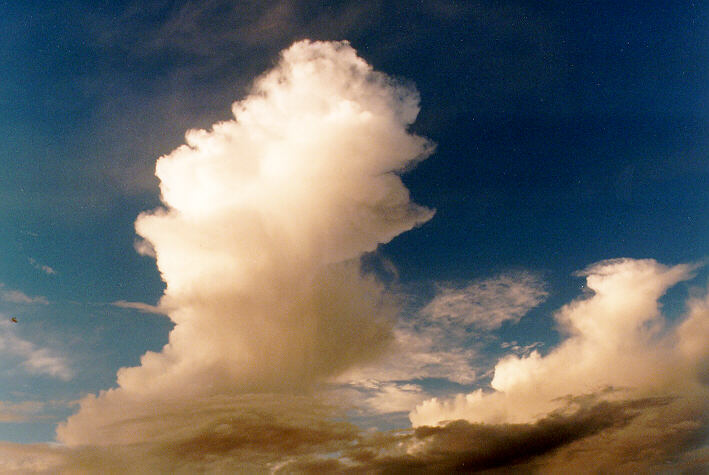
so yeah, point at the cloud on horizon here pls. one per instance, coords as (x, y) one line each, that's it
(619, 347)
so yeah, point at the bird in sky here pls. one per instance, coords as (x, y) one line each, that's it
(13, 320)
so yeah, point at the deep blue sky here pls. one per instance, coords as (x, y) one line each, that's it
(566, 132)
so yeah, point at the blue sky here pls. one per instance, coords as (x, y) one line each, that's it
(566, 135)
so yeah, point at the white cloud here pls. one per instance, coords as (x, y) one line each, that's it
(265, 219)
(623, 381)
(614, 339)
(140, 306)
(656, 425)
(488, 303)
(16, 296)
(33, 359)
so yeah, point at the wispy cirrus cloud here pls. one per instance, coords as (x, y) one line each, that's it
(393, 397)
(487, 304)
(419, 350)
(440, 340)
(140, 306)
(28, 410)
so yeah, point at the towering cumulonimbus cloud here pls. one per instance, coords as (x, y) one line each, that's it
(259, 241)
(265, 217)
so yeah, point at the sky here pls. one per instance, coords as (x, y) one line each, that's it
(383, 237)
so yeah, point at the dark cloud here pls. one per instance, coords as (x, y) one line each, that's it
(460, 446)
(215, 435)
(299, 434)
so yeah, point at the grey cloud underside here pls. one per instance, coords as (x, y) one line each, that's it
(265, 219)
(460, 446)
(282, 436)
(286, 434)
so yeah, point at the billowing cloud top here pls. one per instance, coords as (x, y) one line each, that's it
(615, 340)
(265, 218)
(308, 163)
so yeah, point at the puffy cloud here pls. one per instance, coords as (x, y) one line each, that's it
(618, 339)
(259, 242)
(612, 341)
(655, 422)
(471, 447)
(144, 248)
(488, 303)
(265, 219)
